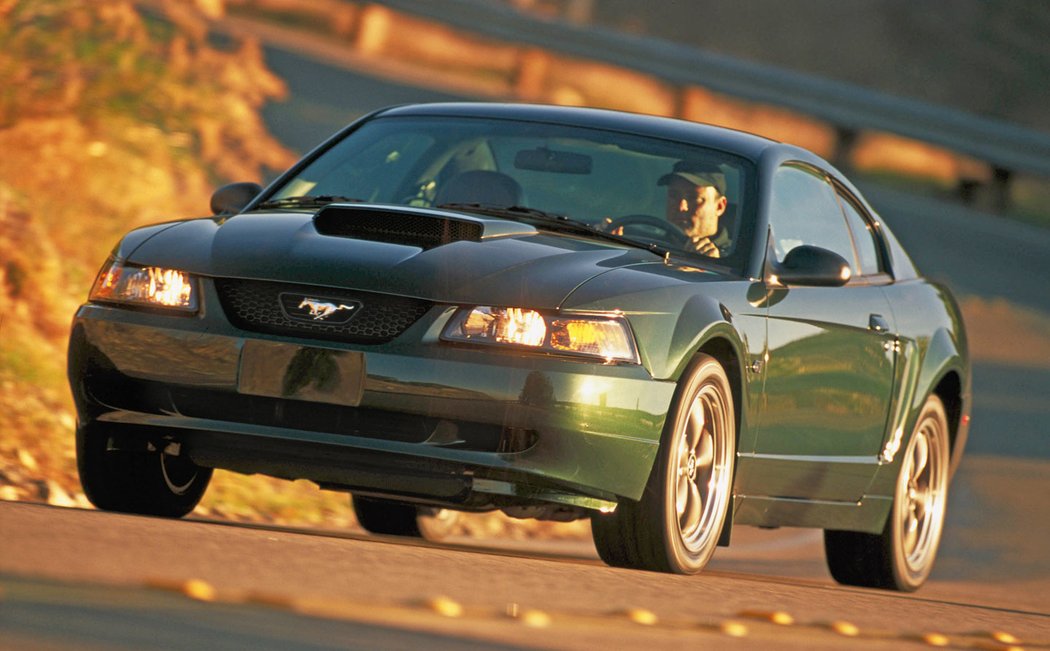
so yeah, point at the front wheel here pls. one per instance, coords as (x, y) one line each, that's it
(901, 557)
(676, 525)
(147, 483)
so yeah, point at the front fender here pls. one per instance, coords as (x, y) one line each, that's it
(947, 356)
(702, 319)
(139, 236)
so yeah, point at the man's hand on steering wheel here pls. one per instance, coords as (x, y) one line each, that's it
(668, 232)
(706, 247)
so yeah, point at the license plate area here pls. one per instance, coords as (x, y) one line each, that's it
(280, 370)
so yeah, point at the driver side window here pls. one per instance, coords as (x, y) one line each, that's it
(806, 211)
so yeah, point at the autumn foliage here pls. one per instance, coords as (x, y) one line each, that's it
(111, 116)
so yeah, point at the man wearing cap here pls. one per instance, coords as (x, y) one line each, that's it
(695, 201)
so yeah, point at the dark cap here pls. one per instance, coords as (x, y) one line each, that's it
(698, 173)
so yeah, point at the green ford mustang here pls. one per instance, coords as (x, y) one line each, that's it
(670, 328)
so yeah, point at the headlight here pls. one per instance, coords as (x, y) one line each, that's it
(604, 336)
(145, 286)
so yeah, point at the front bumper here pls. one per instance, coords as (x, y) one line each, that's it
(414, 418)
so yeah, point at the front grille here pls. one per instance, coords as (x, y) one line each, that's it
(424, 231)
(256, 305)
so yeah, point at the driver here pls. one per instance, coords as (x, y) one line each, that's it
(695, 201)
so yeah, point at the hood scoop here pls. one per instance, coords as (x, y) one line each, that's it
(400, 225)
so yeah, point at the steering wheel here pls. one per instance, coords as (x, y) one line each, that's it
(668, 232)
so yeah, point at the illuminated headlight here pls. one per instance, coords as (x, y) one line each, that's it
(605, 336)
(145, 286)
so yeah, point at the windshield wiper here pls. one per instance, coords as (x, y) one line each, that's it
(555, 222)
(501, 211)
(306, 201)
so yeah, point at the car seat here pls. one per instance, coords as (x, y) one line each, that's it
(480, 186)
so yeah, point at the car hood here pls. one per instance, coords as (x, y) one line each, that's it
(506, 262)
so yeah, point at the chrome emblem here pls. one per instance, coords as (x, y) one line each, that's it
(321, 310)
(327, 310)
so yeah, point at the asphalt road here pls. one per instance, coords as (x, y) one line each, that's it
(85, 579)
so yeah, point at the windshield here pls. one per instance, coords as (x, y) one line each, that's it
(677, 196)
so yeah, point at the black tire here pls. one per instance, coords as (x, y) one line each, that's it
(902, 556)
(147, 483)
(387, 517)
(676, 525)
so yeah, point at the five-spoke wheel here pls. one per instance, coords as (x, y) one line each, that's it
(901, 557)
(921, 495)
(703, 462)
(676, 525)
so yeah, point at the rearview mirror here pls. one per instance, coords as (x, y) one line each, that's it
(231, 199)
(813, 266)
(542, 159)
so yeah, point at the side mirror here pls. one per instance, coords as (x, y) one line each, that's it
(813, 266)
(231, 199)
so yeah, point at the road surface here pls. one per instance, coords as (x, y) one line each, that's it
(76, 578)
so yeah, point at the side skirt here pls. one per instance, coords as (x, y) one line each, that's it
(868, 515)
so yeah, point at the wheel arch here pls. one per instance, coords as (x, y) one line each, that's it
(945, 373)
(722, 349)
(720, 342)
(951, 392)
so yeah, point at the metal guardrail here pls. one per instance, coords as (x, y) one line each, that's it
(1007, 148)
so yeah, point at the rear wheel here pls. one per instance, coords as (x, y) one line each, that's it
(149, 483)
(386, 517)
(676, 525)
(902, 556)
(390, 518)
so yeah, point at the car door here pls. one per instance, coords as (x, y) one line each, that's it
(829, 367)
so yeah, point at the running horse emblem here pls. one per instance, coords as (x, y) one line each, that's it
(321, 310)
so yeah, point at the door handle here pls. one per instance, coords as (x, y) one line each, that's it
(876, 323)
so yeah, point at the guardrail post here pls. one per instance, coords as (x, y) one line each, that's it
(531, 78)
(842, 154)
(374, 29)
(1001, 178)
(344, 19)
(967, 190)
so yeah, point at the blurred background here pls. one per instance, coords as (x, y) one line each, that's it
(986, 58)
(115, 114)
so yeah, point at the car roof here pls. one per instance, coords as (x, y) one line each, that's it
(742, 143)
